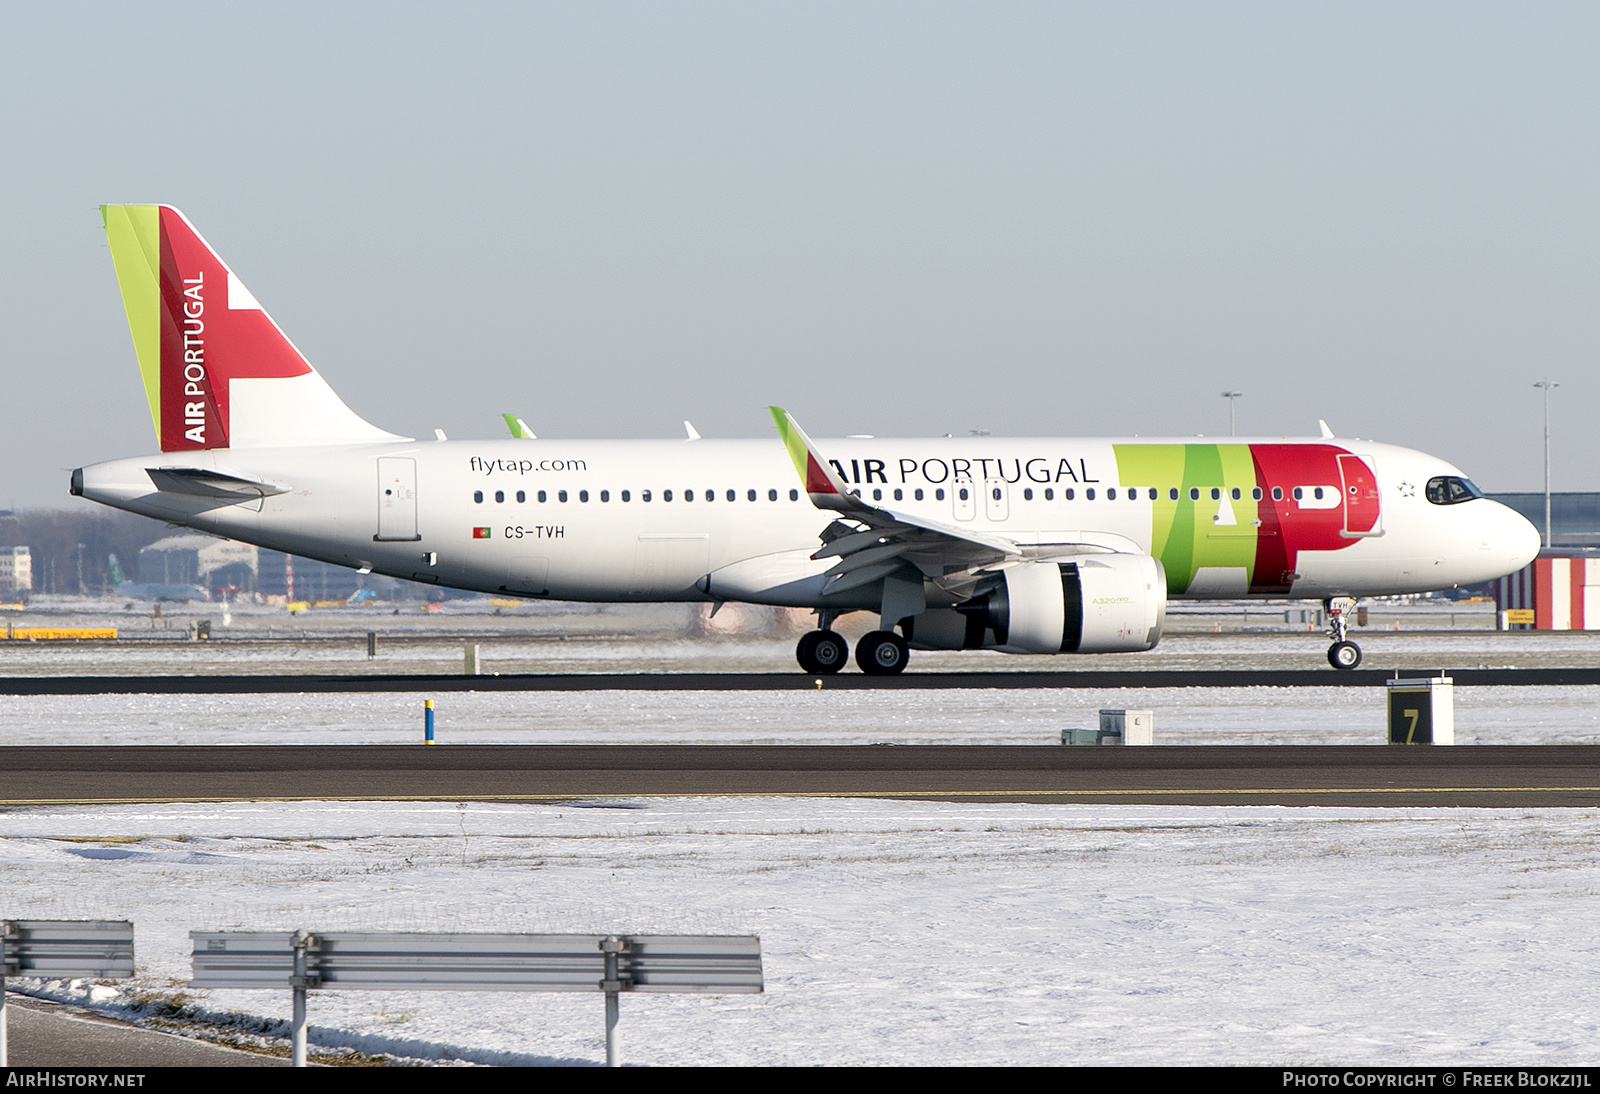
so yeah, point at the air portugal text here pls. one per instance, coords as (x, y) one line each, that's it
(1038, 469)
(194, 358)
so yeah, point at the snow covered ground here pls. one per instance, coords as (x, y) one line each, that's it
(892, 932)
(1335, 715)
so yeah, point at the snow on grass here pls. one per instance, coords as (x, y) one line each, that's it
(1333, 715)
(892, 932)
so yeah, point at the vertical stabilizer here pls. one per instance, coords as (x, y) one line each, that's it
(217, 370)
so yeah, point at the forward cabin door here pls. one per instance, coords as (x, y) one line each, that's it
(397, 498)
(1362, 515)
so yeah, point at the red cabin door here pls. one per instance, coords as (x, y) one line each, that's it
(1362, 516)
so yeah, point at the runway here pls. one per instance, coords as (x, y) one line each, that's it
(281, 683)
(1497, 777)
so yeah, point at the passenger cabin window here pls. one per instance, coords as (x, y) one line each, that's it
(666, 495)
(1049, 493)
(1194, 493)
(1216, 495)
(477, 496)
(877, 494)
(644, 495)
(605, 495)
(1153, 493)
(899, 494)
(1277, 493)
(917, 493)
(1299, 493)
(938, 495)
(1111, 493)
(772, 495)
(500, 495)
(1255, 493)
(522, 496)
(625, 496)
(1235, 493)
(751, 495)
(543, 497)
(561, 495)
(1068, 494)
(794, 495)
(1089, 494)
(1450, 490)
(1027, 493)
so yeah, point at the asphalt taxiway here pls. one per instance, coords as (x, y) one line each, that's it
(1485, 776)
(243, 684)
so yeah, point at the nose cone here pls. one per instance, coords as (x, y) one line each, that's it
(1516, 537)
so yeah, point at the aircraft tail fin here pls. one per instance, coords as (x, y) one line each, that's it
(117, 576)
(218, 372)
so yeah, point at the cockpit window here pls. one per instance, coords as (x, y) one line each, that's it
(1450, 490)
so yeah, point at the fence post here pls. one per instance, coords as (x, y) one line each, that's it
(299, 982)
(612, 946)
(7, 932)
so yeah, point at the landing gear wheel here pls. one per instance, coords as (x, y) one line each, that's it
(1344, 655)
(882, 653)
(822, 652)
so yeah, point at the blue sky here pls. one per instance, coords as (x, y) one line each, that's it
(905, 219)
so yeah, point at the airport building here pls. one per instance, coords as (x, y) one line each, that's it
(1559, 590)
(16, 570)
(245, 570)
(199, 560)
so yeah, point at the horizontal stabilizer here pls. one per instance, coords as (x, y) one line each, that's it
(202, 483)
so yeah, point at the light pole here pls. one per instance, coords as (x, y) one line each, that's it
(1546, 385)
(1231, 396)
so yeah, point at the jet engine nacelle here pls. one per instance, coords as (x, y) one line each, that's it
(1100, 604)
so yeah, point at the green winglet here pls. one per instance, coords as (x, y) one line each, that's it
(791, 438)
(519, 428)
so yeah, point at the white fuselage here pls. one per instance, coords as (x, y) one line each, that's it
(570, 520)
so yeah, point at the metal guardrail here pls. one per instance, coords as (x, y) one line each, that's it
(612, 964)
(62, 949)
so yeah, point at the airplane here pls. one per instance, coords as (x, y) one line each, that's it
(1022, 545)
(139, 590)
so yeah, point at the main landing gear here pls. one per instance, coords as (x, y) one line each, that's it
(1343, 654)
(880, 653)
(822, 652)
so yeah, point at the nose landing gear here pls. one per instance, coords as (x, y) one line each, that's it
(1343, 654)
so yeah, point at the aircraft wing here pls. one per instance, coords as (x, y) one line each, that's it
(891, 539)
